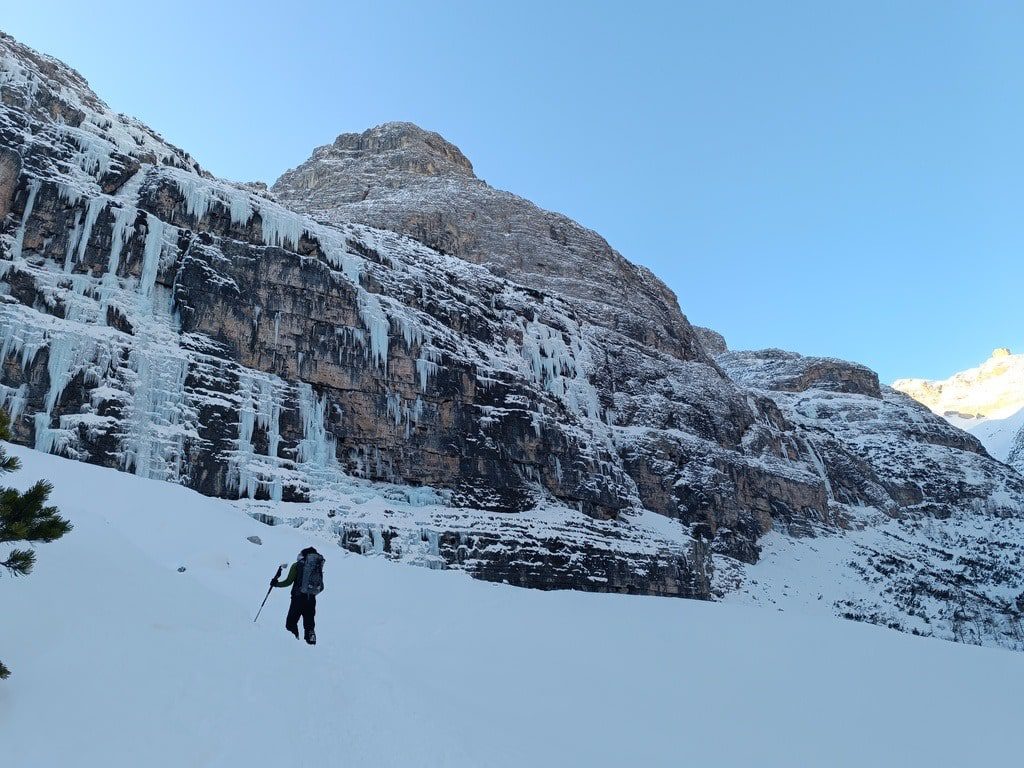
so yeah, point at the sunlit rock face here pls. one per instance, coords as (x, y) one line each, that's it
(482, 385)
(993, 390)
(987, 401)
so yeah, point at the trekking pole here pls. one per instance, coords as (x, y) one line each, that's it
(269, 590)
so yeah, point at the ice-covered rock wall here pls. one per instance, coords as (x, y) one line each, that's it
(162, 322)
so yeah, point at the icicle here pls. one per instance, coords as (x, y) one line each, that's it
(426, 366)
(197, 193)
(259, 406)
(68, 194)
(281, 227)
(92, 210)
(317, 447)
(351, 266)
(14, 400)
(18, 336)
(151, 255)
(240, 477)
(376, 322)
(154, 432)
(412, 332)
(394, 408)
(19, 238)
(239, 205)
(68, 354)
(119, 238)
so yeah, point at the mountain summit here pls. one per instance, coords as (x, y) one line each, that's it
(400, 177)
(357, 165)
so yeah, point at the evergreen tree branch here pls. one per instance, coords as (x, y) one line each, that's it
(19, 562)
(7, 463)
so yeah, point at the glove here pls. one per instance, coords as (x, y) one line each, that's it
(273, 581)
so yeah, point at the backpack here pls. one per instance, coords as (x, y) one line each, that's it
(312, 574)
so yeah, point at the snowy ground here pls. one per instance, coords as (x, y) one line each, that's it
(120, 660)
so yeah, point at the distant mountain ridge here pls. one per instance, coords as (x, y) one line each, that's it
(987, 401)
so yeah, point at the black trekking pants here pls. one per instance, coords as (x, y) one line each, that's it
(304, 606)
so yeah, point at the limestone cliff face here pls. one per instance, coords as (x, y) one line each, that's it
(400, 177)
(480, 385)
(878, 447)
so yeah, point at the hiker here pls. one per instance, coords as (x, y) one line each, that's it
(306, 578)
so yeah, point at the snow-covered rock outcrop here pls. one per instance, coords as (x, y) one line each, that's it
(503, 417)
(931, 526)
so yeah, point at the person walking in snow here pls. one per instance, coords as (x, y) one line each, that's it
(306, 578)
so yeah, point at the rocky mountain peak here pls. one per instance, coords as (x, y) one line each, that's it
(400, 177)
(403, 147)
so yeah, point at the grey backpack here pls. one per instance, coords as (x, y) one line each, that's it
(312, 574)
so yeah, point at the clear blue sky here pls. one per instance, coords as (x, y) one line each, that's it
(840, 178)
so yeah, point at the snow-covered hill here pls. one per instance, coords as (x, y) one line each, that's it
(119, 660)
(987, 401)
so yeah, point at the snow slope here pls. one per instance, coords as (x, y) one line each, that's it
(120, 660)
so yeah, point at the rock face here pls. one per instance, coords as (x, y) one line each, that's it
(932, 525)
(400, 177)
(987, 401)
(712, 341)
(501, 392)
(878, 447)
(774, 369)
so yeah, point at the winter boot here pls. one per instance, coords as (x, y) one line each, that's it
(311, 638)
